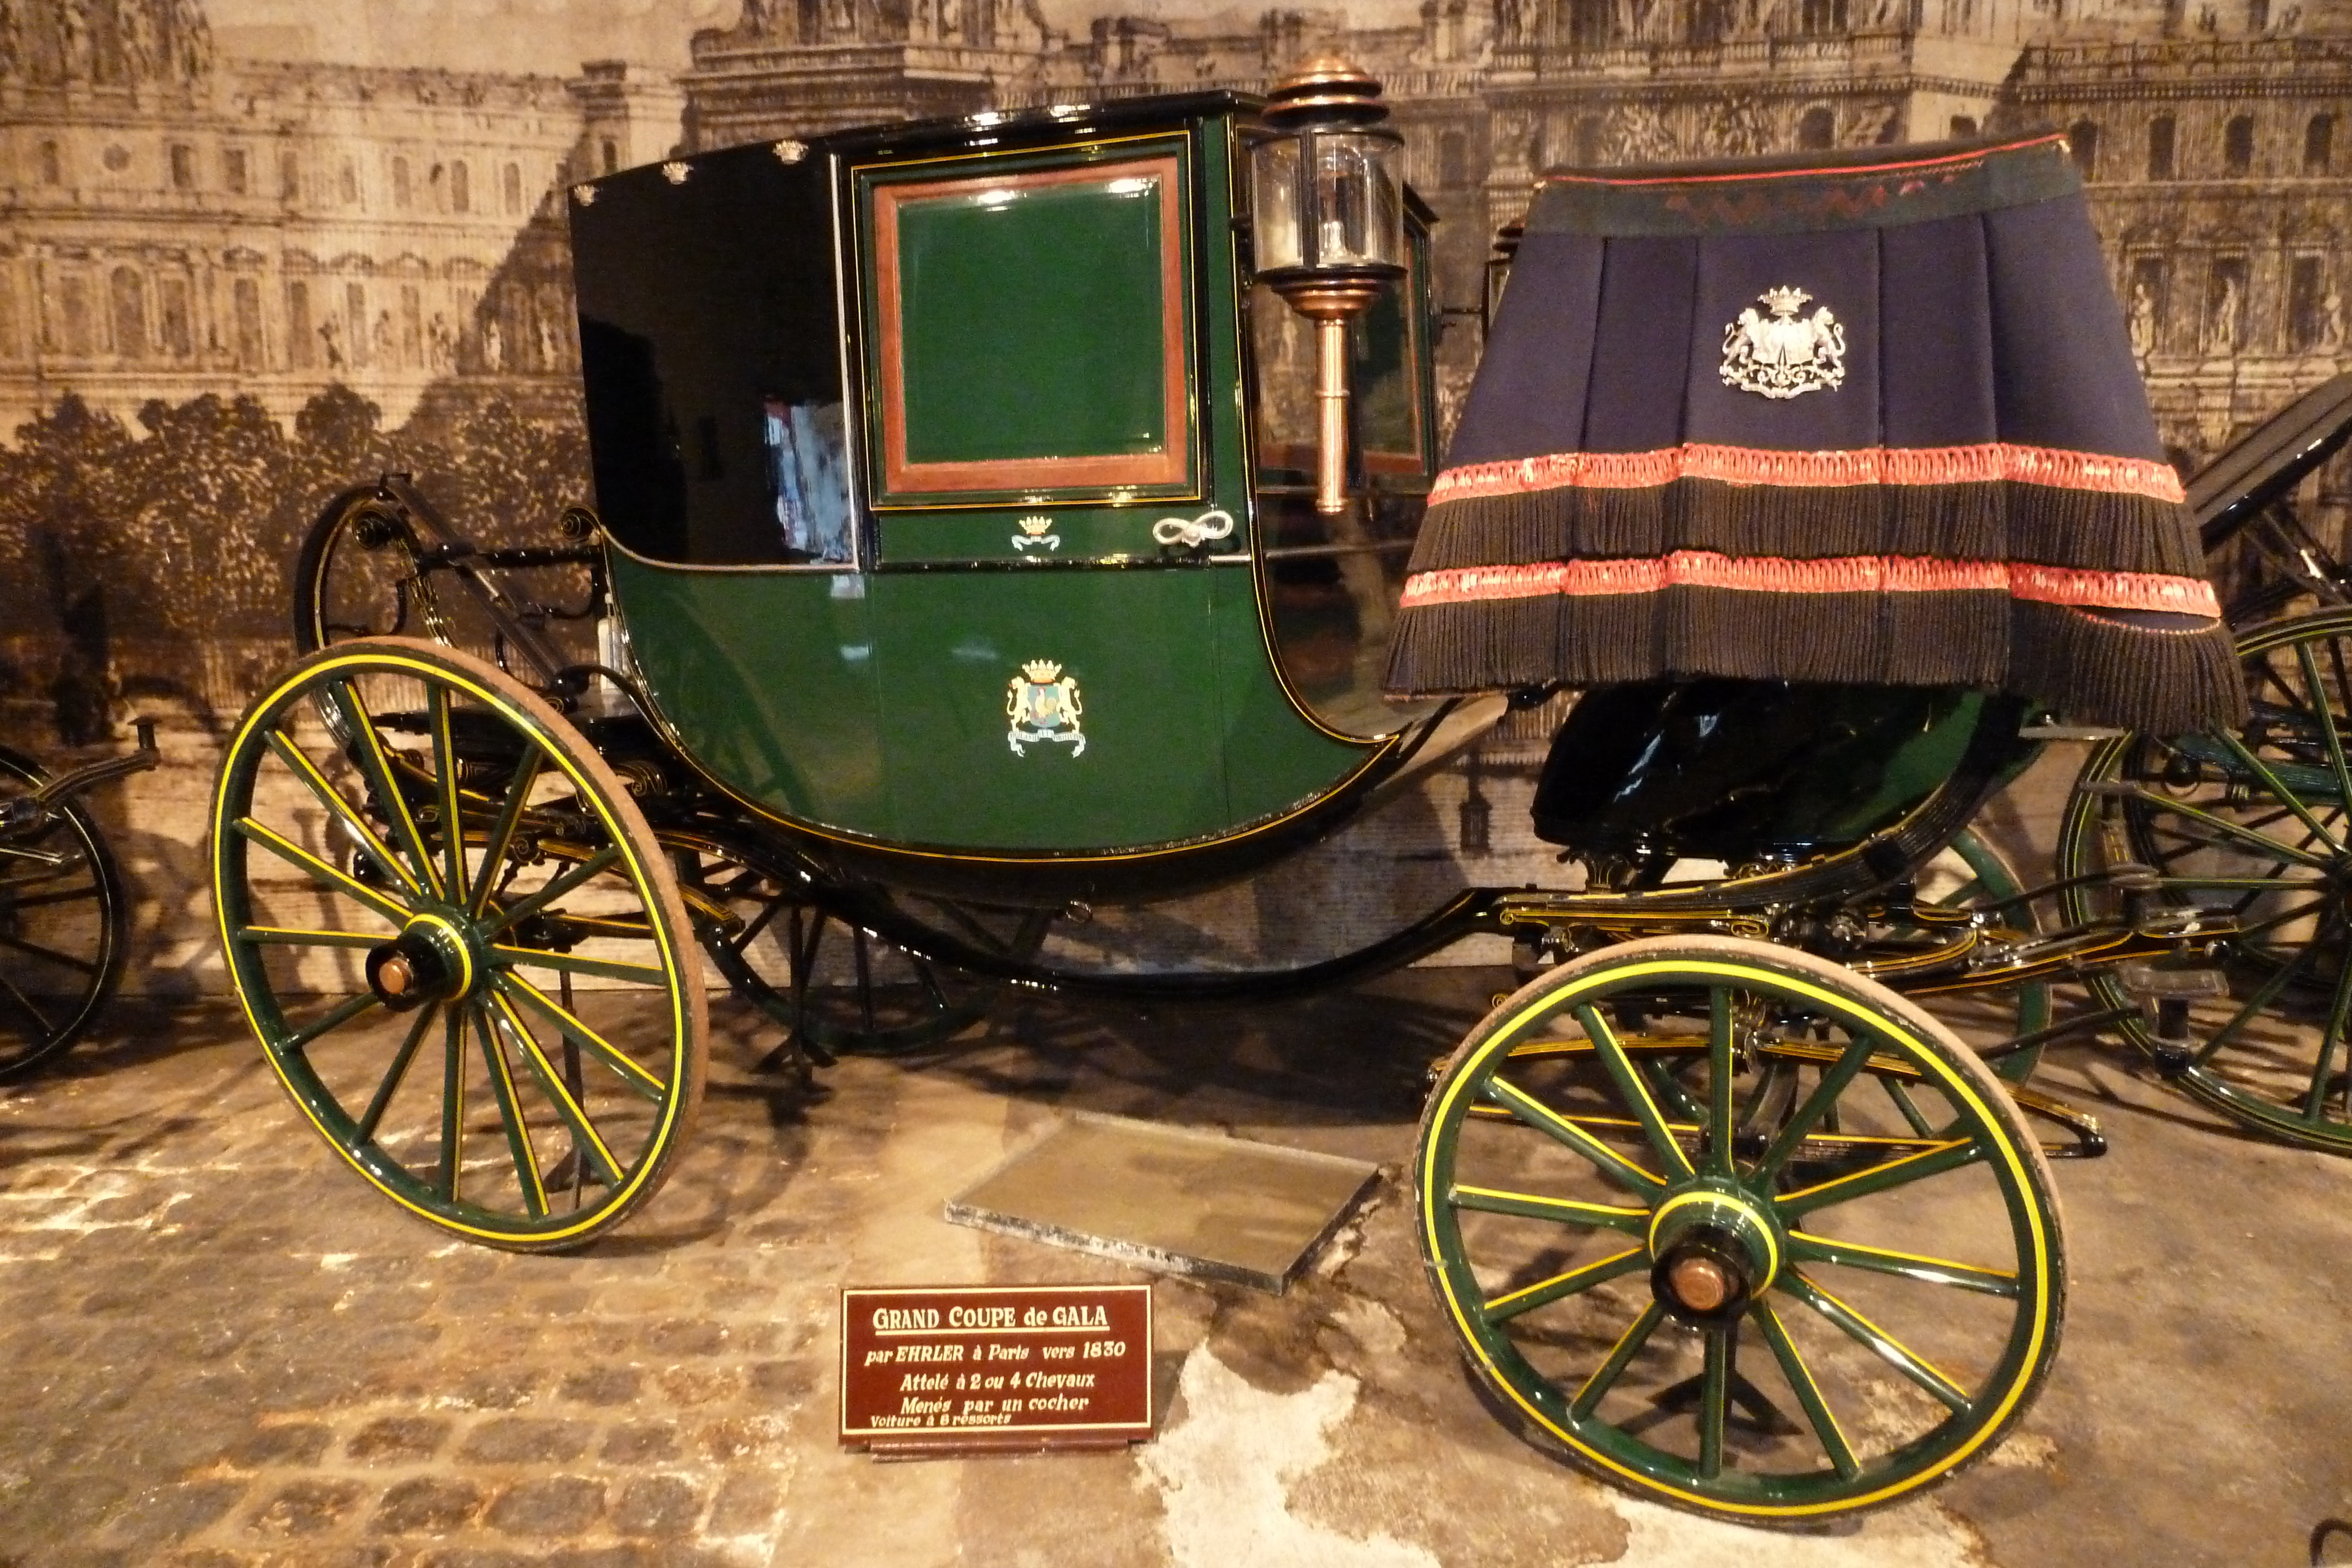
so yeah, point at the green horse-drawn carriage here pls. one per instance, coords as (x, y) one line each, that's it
(1005, 517)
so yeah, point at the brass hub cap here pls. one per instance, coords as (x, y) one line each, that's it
(430, 961)
(1716, 1250)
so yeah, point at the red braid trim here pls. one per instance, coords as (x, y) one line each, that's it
(1813, 470)
(1834, 574)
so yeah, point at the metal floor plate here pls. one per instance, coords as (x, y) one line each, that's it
(1176, 1199)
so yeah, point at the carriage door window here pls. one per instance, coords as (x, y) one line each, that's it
(1027, 328)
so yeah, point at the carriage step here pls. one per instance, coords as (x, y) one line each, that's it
(2163, 995)
(2158, 982)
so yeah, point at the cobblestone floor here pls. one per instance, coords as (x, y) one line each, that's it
(219, 1350)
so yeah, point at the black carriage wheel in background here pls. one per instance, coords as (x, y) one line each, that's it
(63, 923)
(355, 577)
(501, 1027)
(2254, 827)
(1769, 1297)
(797, 953)
(374, 568)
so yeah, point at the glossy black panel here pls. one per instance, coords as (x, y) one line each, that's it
(710, 346)
(1737, 770)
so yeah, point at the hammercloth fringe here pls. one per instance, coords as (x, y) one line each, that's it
(2098, 670)
(2091, 668)
(1999, 520)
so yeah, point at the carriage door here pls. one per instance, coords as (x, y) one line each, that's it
(1030, 379)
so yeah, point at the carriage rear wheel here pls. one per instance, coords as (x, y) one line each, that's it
(461, 948)
(62, 921)
(1609, 1236)
(2254, 828)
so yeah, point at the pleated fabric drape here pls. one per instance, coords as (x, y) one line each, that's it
(1873, 422)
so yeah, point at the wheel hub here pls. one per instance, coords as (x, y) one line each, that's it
(430, 961)
(1715, 1249)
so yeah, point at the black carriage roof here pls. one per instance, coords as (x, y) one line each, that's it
(999, 128)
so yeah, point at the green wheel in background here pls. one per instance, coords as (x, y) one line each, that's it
(2253, 828)
(499, 1027)
(1755, 1290)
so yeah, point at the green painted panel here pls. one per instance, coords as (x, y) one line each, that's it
(1145, 763)
(876, 705)
(1063, 533)
(1274, 758)
(1032, 322)
(768, 678)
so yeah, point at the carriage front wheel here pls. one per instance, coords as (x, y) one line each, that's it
(1743, 1231)
(462, 949)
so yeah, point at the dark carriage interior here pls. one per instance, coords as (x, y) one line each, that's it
(1741, 771)
(710, 353)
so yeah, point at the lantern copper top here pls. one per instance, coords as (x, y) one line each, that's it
(1326, 88)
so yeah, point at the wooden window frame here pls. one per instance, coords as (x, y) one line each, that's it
(1109, 471)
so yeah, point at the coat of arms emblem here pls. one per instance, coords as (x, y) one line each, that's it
(1043, 704)
(1783, 354)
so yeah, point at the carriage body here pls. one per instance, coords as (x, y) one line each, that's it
(955, 480)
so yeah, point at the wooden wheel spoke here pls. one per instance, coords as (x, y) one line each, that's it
(1563, 1210)
(1634, 1092)
(502, 1089)
(376, 765)
(1713, 1400)
(556, 888)
(333, 1018)
(296, 937)
(320, 872)
(1511, 1303)
(630, 1071)
(2339, 1012)
(2324, 711)
(2263, 843)
(1621, 1355)
(502, 833)
(47, 955)
(571, 964)
(1808, 1390)
(585, 1139)
(2261, 998)
(452, 1103)
(1835, 1077)
(1720, 1076)
(24, 1006)
(1877, 1341)
(1811, 1248)
(444, 788)
(1528, 1109)
(2286, 796)
(372, 1117)
(1932, 1160)
(1904, 1106)
(361, 832)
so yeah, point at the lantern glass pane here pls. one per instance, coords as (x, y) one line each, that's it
(1274, 204)
(1359, 201)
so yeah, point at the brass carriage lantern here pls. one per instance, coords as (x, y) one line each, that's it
(1328, 208)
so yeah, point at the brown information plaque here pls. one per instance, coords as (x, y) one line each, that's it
(946, 1369)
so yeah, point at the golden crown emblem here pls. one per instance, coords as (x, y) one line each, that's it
(1036, 526)
(1786, 301)
(1045, 672)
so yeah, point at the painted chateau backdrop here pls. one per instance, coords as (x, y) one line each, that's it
(254, 250)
